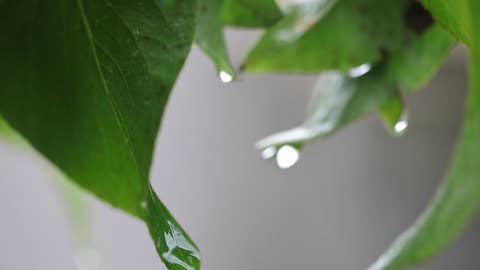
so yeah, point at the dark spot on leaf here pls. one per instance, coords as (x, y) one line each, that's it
(417, 17)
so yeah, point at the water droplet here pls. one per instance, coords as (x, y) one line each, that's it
(269, 152)
(401, 126)
(359, 71)
(225, 77)
(287, 156)
(87, 259)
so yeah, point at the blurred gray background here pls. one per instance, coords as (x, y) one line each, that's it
(338, 208)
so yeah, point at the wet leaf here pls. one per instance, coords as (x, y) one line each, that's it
(250, 13)
(354, 32)
(86, 83)
(209, 37)
(337, 100)
(458, 197)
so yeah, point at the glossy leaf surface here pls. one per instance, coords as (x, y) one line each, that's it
(86, 83)
(458, 197)
(209, 37)
(353, 32)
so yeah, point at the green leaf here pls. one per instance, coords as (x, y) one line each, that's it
(458, 198)
(300, 16)
(250, 13)
(394, 114)
(454, 16)
(354, 32)
(6, 131)
(337, 100)
(414, 65)
(209, 37)
(86, 82)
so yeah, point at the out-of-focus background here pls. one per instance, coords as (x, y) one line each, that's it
(338, 208)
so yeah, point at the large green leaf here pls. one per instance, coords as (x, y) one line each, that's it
(354, 32)
(250, 13)
(209, 37)
(86, 83)
(458, 198)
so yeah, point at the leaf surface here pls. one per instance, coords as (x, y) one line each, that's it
(86, 82)
(354, 32)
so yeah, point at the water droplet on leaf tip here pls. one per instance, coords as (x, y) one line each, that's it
(401, 126)
(359, 71)
(287, 156)
(225, 77)
(269, 152)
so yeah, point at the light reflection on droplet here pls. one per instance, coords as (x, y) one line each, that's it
(359, 71)
(225, 77)
(287, 156)
(401, 126)
(269, 152)
(87, 259)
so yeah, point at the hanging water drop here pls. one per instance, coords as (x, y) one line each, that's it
(359, 71)
(269, 152)
(287, 156)
(402, 124)
(225, 77)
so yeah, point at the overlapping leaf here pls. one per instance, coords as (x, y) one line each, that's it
(414, 65)
(354, 32)
(339, 99)
(86, 83)
(250, 13)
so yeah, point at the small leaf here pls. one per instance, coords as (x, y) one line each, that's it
(413, 66)
(354, 32)
(209, 37)
(250, 13)
(458, 198)
(337, 100)
(86, 82)
(394, 114)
